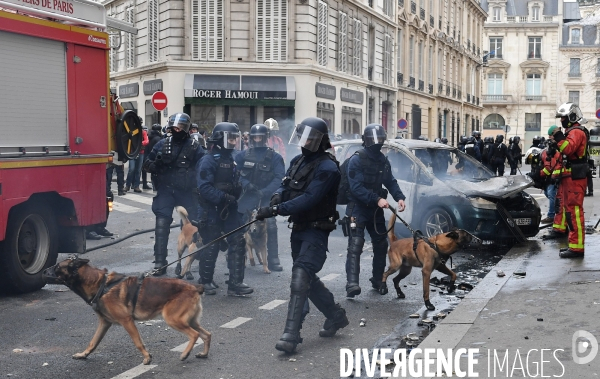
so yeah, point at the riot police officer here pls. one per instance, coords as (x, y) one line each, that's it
(498, 155)
(308, 195)
(462, 142)
(368, 171)
(477, 135)
(261, 171)
(472, 148)
(219, 190)
(488, 142)
(172, 162)
(514, 150)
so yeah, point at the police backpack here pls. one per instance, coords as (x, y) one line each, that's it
(343, 197)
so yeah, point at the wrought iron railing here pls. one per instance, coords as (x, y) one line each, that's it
(400, 78)
(440, 86)
(421, 85)
(534, 97)
(432, 21)
(411, 82)
(422, 14)
(496, 98)
(370, 73)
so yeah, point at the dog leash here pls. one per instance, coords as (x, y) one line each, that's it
(202, 247)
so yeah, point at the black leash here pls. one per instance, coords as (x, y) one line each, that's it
(202, 247)
(375, 223)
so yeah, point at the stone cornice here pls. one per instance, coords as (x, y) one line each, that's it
(581, 48)
(534, 66)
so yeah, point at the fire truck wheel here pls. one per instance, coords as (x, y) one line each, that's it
(30, 246)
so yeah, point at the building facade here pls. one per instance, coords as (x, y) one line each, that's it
(349, 62)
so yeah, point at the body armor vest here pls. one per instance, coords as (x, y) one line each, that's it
(258, 171)
(486, 152)
(296, 184)
(373, 173)
(179, 172)
(226, 176)
(470, 149)
(498, 151)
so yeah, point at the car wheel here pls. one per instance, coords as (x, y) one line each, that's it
(436, 221)
(29, 248)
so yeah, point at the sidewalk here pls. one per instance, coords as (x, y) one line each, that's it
(511, 319)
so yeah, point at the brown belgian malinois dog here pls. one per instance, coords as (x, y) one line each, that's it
(256, 238)
(428, 253)
(120, 299)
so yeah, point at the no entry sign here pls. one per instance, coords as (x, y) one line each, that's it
(159, 100)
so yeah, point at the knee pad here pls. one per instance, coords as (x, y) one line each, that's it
(355, 246)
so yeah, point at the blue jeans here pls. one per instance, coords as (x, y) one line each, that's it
(135, 170)
(550, 192)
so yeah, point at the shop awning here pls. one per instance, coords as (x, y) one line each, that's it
(239, 87)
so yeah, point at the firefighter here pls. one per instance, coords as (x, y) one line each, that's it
(308, 195)
(275, 142)
(573, 146)
(219, 191)
(498, 155)
(515, 152)
(261, 172)
(368, 171)
(472, 148)
(173, 160)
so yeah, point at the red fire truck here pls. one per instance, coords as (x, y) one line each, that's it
(59, 124)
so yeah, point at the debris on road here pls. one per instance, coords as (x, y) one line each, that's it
(17, 350)
(414, 315)
(500, 273)
(363, 322)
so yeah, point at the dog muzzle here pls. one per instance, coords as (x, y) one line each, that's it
(49, 276)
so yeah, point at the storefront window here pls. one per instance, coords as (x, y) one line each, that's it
(152, 116)
(243, 116)
(326, 111)
(204, 115)
(351, 121)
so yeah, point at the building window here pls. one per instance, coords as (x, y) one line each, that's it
(495, 84)
(114, 53)
(207, 30)
(322, 34)
(204, 115)
(574, 67)
(343, 42)
(496, 47)
(535, 48)
(357, 48)
(130, 40)
(597, 99)
(598, 70)
(496, 14)
(421, 60)
(326, 111)
(152, 30)
(271, 30)
(388, 7)
(351, 121)
(387, 60)
(430, 65)
(533, 121)
(493, 121)
(535, 14)
(575, 36)
(399, 65)
(534, 86)
(411, 55)
(574, 97)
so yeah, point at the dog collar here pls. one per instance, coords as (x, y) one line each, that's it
(99, 293)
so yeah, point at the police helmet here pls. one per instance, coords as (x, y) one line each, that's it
(226, 135)
(374, 134)
(542, 141)
(471, 139)
(194, 128)
(445, 140)
(516, 139)
(438, 140)
(536, 140)
(422, 138)
(259, 133)
(272, 124)
(476, 134)
(311, 134)
(510, 140)
(499, 138)
(571, 111)
(488, 140)
(463, 139)
(181, 121)
(157, 127)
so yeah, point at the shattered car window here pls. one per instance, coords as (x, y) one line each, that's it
(402, 165)
(452, 164)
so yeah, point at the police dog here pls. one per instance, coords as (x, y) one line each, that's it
(256, 238)
(429, 256)
(120, 299)
(188, 237)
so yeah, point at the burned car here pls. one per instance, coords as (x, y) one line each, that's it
(446, 188)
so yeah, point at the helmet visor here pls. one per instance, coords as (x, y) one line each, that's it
(257, 140)
(306, 137)
(231, 141)
(375, 136)
(181, 121)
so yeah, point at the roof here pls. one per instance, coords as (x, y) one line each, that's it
(571, 11)
(520, 8)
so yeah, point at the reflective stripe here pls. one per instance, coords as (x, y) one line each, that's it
(574, 246)
(563, 219)
(579, 243)
(563, 145)
(545, 171)
(556, 172)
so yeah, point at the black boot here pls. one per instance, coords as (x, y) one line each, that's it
(380, 249)
(296, 311)
(236, 261)
(161, 241)
(335, 322)
(553, 235)
(322, 298)
(355, 246)
(272, 246)
(206, 268)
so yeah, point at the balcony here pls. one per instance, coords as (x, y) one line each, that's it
(421, 85)
(401, 3)
(510, 18)
(468, 44)
(431, 89)
(548, 19)
(522, 18)
(575, 75)
(495, 98)
(413, 7)
(534, 98)
(422, 14)
(533, 55)
(400, 78)
(411, 82)
(432, 21)
(495, 56)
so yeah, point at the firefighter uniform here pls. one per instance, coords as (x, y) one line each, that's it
(552, 161)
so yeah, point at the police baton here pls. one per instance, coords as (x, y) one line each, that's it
(203, 247)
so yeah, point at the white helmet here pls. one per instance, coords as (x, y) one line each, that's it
(272, 124)
(571, 111)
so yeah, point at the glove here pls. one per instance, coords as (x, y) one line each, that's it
(552, 147)
(266, 212)
(230, 200)
(559, 136)
(275, 199)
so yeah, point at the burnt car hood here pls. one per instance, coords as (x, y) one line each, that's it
(498, 187)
